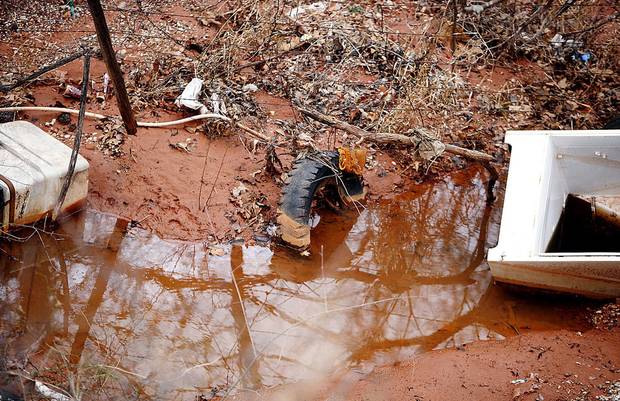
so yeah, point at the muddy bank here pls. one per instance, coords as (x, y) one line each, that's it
(556, 365)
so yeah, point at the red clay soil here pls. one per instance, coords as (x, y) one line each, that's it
(557, 365)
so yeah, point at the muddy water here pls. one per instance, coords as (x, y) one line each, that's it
(165, 319)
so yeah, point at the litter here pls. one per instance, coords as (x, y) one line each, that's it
(72, 92)
(319, 172)
(50, 394)
(106, 84)
(189, 97)
(317, 7)
(352, 160)
(218, 104)
(31, 175)
(550, 236)
(250, 88)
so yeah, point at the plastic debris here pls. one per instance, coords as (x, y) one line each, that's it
(317, 7)
(50, 394)
(189, 97)
(72, 91)
(72, 8)
(582, 57)
(218, 104)
(559, 43)
(314, 220)
(272, 230)
(106, 84)
(250, 88)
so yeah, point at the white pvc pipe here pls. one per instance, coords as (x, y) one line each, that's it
(102, 117)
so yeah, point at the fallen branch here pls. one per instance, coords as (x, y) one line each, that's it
(597, 25)
(386, 138)
(48, 68)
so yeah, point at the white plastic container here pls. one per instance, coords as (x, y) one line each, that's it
(545, 167)
(33, 166)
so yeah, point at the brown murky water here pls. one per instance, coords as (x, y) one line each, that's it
(165, 319)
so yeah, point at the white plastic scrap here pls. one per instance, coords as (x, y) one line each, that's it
(189, 97)
(557, 40)
(250, 88)
(318, 7)
(218, 104)
(50, 394)
(106, 84)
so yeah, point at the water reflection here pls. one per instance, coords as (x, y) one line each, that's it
(172, 319)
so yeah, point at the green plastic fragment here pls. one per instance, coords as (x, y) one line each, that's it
(71, 7)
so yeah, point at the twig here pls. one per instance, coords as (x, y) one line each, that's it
(380, 137)
(217, 177)
(204, 168)
(455, 12)
(48, 68)
(124, 371)
(599, 24)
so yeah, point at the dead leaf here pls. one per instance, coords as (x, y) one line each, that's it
(563, 84)
(186, 146)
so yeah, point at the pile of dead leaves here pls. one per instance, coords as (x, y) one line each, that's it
(112, 138)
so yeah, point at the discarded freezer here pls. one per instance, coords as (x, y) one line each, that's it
(33, 166)
(559, 227)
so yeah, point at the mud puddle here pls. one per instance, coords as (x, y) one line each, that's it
(161, 319)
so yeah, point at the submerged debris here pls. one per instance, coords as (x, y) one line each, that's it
(317, 173)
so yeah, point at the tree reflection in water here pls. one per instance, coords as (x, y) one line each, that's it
(406, 277)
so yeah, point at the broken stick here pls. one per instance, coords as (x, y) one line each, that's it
(47, 68)
(382, 137)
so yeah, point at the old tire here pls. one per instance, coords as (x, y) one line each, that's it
(306, 177)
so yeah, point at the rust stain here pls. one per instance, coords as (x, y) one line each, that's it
(34, 218)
